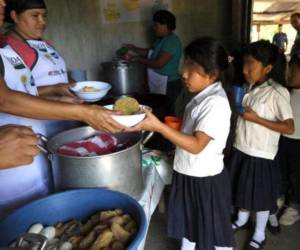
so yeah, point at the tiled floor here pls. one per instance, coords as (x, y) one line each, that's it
(288, 239)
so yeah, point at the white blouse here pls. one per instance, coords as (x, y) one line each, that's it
(208, 112)
(270, 101)
(295, 103)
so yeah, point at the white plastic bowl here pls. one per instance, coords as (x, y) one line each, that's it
(103, 88)
(129, 120)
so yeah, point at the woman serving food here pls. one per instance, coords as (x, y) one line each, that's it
(20, 105)
(28, 19)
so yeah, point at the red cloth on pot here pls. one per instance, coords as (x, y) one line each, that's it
(97, 145)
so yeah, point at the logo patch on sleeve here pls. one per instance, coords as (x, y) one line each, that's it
(16, 62)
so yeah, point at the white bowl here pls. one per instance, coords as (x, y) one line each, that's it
(129, 120)
(102, 89)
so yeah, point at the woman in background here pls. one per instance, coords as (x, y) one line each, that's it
(163, 58)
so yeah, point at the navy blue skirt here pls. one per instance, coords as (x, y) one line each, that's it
(254, 182)
(199, 210)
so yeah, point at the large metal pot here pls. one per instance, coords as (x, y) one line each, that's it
(125, 78)
(121, 171)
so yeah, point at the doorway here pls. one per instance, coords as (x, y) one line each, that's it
(269, 15)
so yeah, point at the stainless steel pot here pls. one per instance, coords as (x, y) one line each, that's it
(125, 78)
(121, 171)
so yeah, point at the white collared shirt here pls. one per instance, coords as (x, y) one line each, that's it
(27, 181)
(50, 67)
(270, 101)
(208, 112)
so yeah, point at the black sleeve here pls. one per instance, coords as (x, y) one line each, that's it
(1, 67)
(296, 48)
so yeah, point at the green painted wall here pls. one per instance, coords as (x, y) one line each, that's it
(76, 30)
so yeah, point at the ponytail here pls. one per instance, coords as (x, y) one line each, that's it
(226, 79)
(278, 73)
(295, 60)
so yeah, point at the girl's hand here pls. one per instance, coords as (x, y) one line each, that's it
(150, 123)
(249, 115)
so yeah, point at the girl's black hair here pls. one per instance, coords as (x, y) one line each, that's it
(22, 5)
(212, 57)
(238, 61)
(297, 14)
(268, 54)
(165, 17)
(208, 53)
(295, 61)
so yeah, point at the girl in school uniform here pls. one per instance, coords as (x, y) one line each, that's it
(199, 208)
(267, 114)
(289, 150)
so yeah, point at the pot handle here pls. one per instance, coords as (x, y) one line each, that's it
(41, 147)
(33, 238)
(147, 138)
